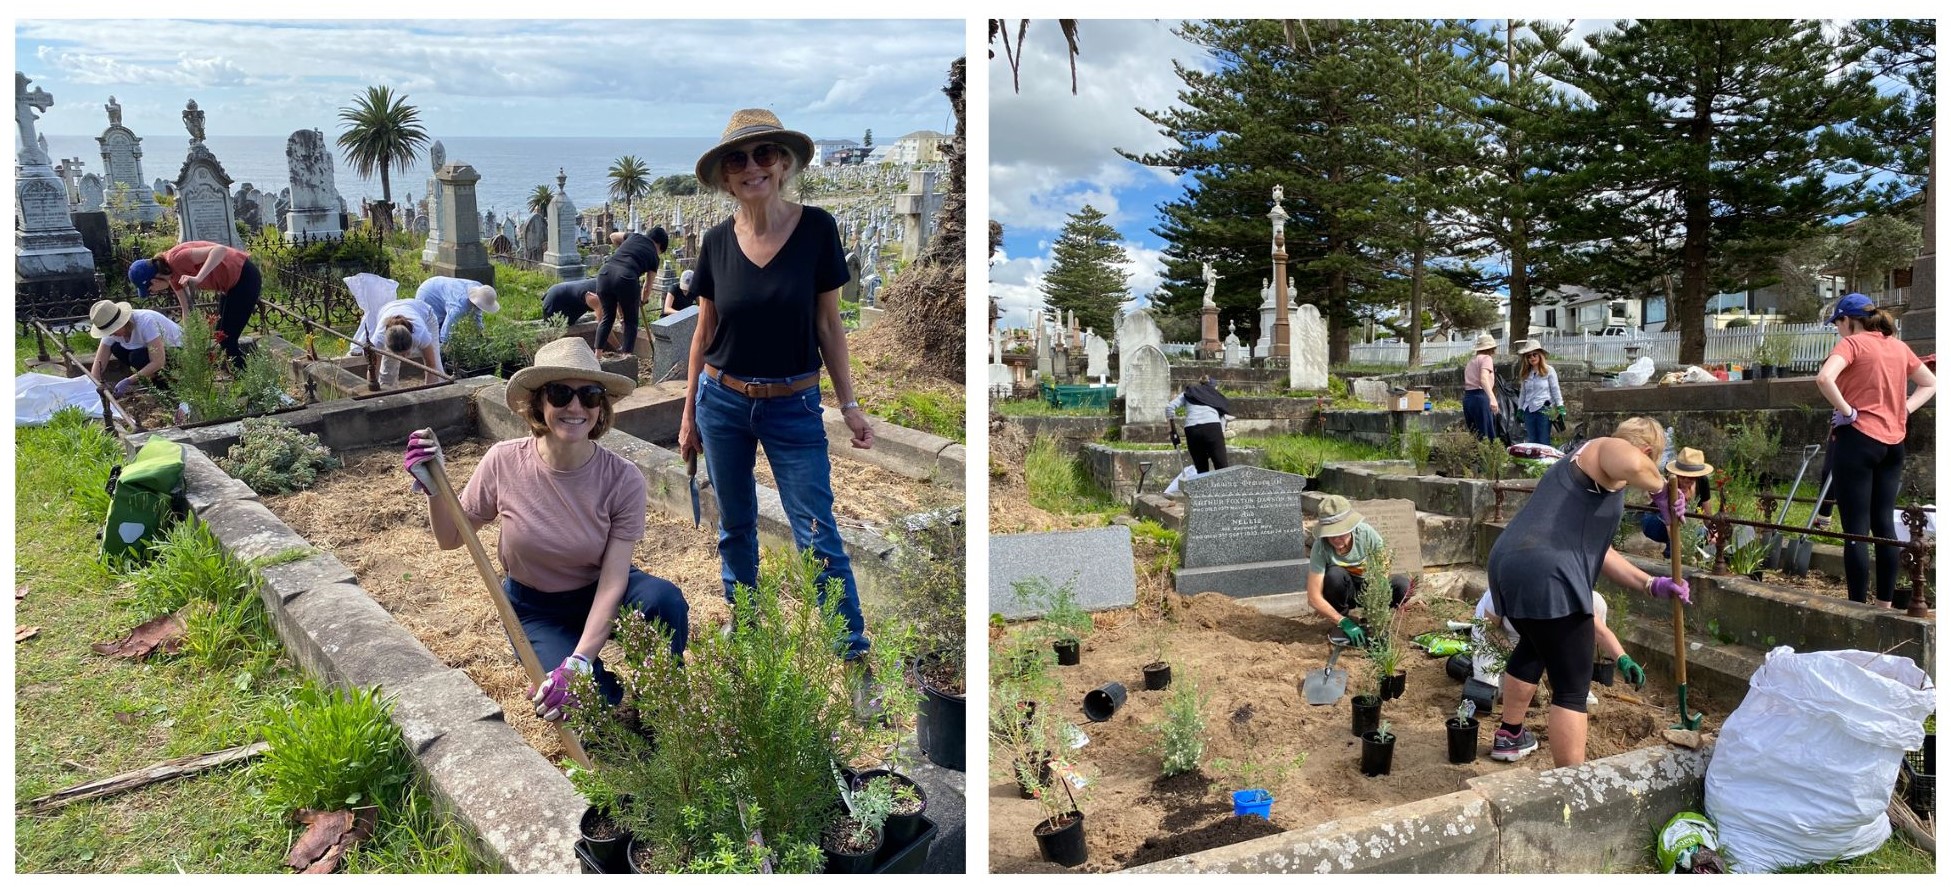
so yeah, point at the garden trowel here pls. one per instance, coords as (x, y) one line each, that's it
(1325, 687)
(691, 471)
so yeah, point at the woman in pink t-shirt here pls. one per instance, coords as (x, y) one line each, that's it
(570, 513)
(1864, 380)
(1480, 389)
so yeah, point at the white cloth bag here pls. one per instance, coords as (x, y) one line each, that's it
(38, 396)
(1804, 769)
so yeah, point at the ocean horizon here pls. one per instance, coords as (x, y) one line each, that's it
(510, 166)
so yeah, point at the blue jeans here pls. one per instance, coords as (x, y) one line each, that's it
(1477, 414)
(554, 621)
(1654, 526)
(1537, 426)
(791, 429)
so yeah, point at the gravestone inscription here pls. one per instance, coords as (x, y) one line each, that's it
(1243, 534)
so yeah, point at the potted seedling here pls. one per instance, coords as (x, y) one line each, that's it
(1462, 733)
(907, 804)
(602, 837)
(1773, 354)
(1378, 748)
(1063, 623)
(851, 839)
(1366, 707)
(1182, 735)
(1060, 833)
(1158, 673)
(927, 595)
(1022, 733)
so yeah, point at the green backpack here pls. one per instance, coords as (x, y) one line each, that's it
(145, 496)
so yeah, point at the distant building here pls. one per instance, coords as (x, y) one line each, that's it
(920, 146)
(829, 152)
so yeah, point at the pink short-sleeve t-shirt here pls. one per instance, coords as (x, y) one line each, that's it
(555, 524)
(1875, 382)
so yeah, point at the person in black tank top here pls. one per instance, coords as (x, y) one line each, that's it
(767, 285)
(1542, 571)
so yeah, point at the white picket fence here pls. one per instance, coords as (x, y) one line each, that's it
(1810, 343)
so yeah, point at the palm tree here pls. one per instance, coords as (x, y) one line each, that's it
(382, 133)
(540, 198)
(629, 180)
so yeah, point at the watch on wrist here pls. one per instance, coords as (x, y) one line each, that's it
(850, 405)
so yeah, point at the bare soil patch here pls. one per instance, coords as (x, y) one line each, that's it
(367, 516)
(1242, 658)
(1010, 510)
(870, 497)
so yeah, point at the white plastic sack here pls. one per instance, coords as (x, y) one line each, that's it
(1172, 489)
(1640, 373)
(371, 292)
(1804, 769)
(1697, 374)
(38, 396)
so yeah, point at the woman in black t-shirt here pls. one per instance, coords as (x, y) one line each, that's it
(623, 284)
(767, 286)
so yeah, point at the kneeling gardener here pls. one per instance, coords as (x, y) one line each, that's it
(1342, 545)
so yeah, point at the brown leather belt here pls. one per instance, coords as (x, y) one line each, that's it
(761, 390)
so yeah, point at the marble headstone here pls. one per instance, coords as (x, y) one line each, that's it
(314, 213)
(670, 344)
(1235, 353)
(437, 156)
(1148, 385)
(122, 158)
(1135, 329)
(1096, 563)
(204, 209)
(1263, 346)
(559, 255)
(1097, 357)
(92, 196)
(460, 251)
(1244, 535)
(1307, 363)
(46, 245)
(1045, 361)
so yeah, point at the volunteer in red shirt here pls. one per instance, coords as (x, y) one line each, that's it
(207, 266)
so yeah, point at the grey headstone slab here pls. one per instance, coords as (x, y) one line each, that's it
(1243, 515)
(1396, 520)
(1097, 562)
(670, 344)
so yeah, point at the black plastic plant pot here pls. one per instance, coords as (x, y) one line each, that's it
(939, 724)
(901, 828)
(630, 860)
(1042, 769)
(842, 863)
(588, 859)
(1377, 753)
(1458, 667)
(1158, 676)
(1393, 686)
(1367, 714)
(1603, 670)
(608, 852)
(1068, 652)
(907, 859)
(1100, 704)
(1062, 841)
(1463, 740)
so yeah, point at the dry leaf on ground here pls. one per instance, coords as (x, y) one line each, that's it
(23, 632)
(163, 632)
(331, 833)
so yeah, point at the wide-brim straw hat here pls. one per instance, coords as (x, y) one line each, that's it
(1338, 517)
(484, 298)
(1484, 342)
(566, 358)
(749, 125)
(1690, 463)
(1529, 345)
(106, 317)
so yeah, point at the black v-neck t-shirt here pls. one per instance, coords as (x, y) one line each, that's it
(766, 325)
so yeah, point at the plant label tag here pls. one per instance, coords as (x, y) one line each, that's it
(1074, 736)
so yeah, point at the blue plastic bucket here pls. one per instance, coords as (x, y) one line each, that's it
(1253, 802)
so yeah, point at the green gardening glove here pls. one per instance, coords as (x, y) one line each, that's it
(1561, 411)
(1632, 672)
(1354, 632)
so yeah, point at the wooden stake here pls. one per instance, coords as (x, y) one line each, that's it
(167, 770)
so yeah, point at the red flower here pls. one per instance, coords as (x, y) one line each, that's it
(219, 337)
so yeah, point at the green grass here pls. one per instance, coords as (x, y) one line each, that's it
(1894, 857)
(1305, 453)
(936, 413)
(1060, 484)
(80, 716)
(1037, 406)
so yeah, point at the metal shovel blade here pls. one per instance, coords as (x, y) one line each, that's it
(1326, 686)
(691, 471)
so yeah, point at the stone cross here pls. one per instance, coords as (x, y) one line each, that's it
(193, 121)
(26, 102)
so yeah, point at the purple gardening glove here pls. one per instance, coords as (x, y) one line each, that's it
(125, 386)
(421, 446)
(553, 696)
(1840, 418)
(1674, 511)
(1667, 586)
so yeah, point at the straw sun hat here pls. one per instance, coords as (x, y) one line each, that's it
(1338, 517)
(484, 298)
(747, 126)
(1530, 345)
(1484, 342)
(106, 317)
(566, 358)
(1690, 463)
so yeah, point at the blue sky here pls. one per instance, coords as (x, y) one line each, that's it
(488, 77)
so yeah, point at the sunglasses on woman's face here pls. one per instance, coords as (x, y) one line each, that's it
(559, 394)
(762, 155)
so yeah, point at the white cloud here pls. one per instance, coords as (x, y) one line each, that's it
(1017, 284)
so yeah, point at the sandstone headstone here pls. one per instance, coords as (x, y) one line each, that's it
(314, 213)
(1096, 563)
(1243, 533)
(1307, 362)
(1370, 390)
(461, 253)
(1395, 520)
(535, 237)
(204, 210)
(917, 209)
(670, 344)
(1148, 386)
(437, 157)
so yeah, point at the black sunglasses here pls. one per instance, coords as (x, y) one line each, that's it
(559, 395)
(762, 155)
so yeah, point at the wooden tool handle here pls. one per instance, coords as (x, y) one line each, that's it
(1674, 542)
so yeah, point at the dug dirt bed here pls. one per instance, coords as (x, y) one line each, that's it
(1250, 666)
(366, 515)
